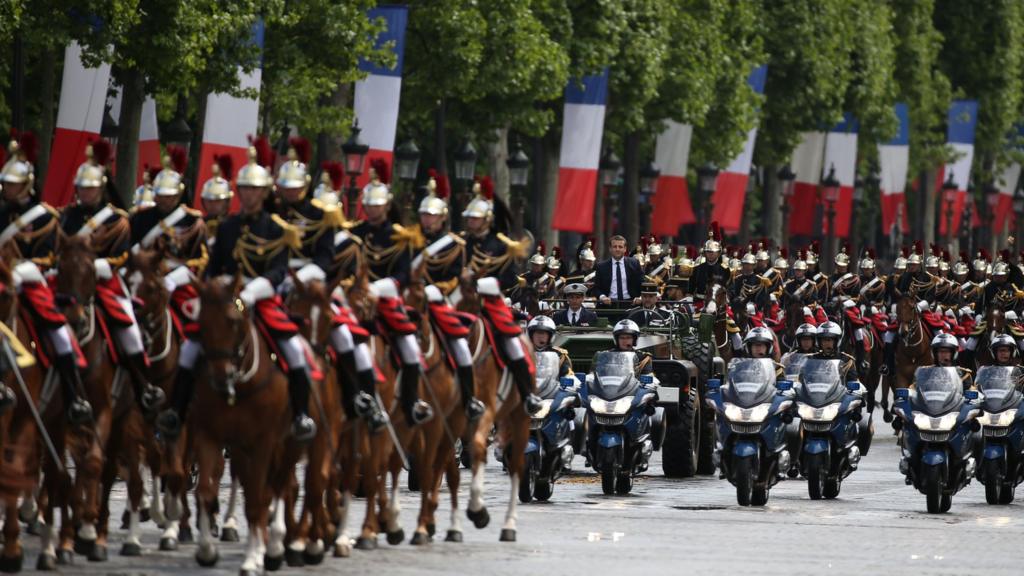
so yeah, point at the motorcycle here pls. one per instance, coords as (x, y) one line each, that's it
(829, 412)
(1001, 466)
(753, 410)
(549, 449)
(937, 419)
(624, 425)
(792, 362)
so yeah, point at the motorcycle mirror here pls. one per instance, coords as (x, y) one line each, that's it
(784, 385)
(901, 393)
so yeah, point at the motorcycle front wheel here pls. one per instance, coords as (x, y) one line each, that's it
(936, 501)
(993, 476)
(816, 477)
(745, 475)
(608, 480)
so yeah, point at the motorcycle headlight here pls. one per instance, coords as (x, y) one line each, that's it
(545, 409)
(613, 408)
(1001, 419)
(753, 415)
(823, 414)
(937, 424)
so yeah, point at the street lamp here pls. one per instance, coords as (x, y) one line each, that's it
(830, 193)
(465, 168)
(1018, 210)
(707, 176)
(407, 161)
(787, 184)
(992, 200)
(355, 152)
(108, 130)
(518, 176)
(608, 173)
(648, 181)
(178, 131)
(949, 191)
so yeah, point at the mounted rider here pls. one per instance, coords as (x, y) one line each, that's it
(216, 194)
(749, 286)
(714, 269)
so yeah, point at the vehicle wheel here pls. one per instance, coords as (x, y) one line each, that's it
(933, 489)
(993, 491)
(993, 476)
(679, 452)
(700, 354)
(542, 490)
(832, 488)
(760, 497)
(865, 431)
(526, 487)
(945, 503)
(624, 484)
(816, 476)
(745, 476)
(608, 481)
(1007, 493)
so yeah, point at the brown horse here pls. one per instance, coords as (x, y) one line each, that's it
(494, 387)
(717, 304)
(995, 324)
(874, 355)
(913, 349)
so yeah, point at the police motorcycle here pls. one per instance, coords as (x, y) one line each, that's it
(753, 410)
(549, 448)
(1002, 428)
(938, 419)
(829, 411)
(624, 425)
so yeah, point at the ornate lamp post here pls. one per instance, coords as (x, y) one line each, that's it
(991, 200)
(707, 176)
(1018, 211)
(949, 188)
(178, 131)
(871, 184)
(608, 173)
(355, 152)
(465, 168)
(407, 162)
(648, 181)
(519, 176)
(787, 184)
(830, 194)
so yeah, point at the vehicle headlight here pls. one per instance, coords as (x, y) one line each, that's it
(938, 424)
(1004, 418)
(545, 409)
(823, 414)
(753, 415)
(613, 408)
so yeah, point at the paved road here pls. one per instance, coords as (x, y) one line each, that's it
(877, 526)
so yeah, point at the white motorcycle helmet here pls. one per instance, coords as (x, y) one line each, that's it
(542, 323)
(759, 334)
(1003, 341)
(829, 330)
(945, 340)
(625, 327)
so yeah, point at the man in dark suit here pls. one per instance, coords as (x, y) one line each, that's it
(618, 278)
(649, 313)
(575, 314)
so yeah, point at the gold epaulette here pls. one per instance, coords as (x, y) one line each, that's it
(458, 239)
(560, 350)
(199, 264)
(765, 282)
(291, 236)
(515, 249)
(447, 286)
(118, 261)
(120, 212)
(411, 237)
(333, 215)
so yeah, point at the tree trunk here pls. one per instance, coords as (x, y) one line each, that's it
(929, 197)
(47, 94)
(547, 188)
(772, 208)
(497, 156)
(440, 145)
(133, 96)
(629, 226)
(18, 84)
(196, 148)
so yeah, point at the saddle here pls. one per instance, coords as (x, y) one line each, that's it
(448, 324)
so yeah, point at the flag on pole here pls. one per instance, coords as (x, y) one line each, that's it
(229, 122)
(963, 118)
(671, 206)
(582, 128)
(894, 163)
(377, 95)
(731, 186)
(807, 165)
(83, 93)
(841, 152)
(149, 135)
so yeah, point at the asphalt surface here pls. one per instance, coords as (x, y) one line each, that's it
(878, 525)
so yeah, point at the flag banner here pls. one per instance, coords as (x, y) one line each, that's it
(893, 164)
(1002, 211)
(731, 187)
(671, 206)
(582, 129)
(807, 165)
(963, 118)
(841, 153)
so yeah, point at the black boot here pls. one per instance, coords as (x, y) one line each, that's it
(303, 427)
(169, 421)
(7, 398)
(149, 397)
(79, 410)
(889, 366)
(858, 354)
(416, 411)
(345, 366)
(524, 383)
(366, 404)
(358, 402)
(473, 406)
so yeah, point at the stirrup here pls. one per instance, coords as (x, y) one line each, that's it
(152, 399)
(421, 412)
(79, 412)
(303, 428)
(532, 404)
(168, 423)
(474, 409)
(366, 407)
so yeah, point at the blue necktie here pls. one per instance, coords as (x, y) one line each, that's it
(622, 293)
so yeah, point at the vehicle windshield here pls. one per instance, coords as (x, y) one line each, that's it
(548, 364)
(820, 384)
(751, 381)
(794, 361)
(1001, 386)
(939, 390)
(614, 374)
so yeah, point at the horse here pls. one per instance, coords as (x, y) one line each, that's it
(995, 324)
(913, 348)
(504, 409)
(874, 354)
(717, 303)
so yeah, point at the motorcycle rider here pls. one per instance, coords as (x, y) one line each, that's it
(541, 330)
(805, 335)
(1004, 351)
(760, 343)
(945, 348)
(829, 334)
(625, 336)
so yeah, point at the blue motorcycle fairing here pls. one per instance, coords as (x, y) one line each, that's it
(816, 445)
(609, 440)
(995, 452)
(744, 449)
(934, 457)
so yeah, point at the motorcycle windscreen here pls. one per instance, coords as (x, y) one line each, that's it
(820, 384)
(751, 381)
(1001, 386)
(548, 364)
(939, 390)
(794, 362)
(614, 375)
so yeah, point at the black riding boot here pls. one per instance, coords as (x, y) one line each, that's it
(473, 406)
(169, 421)
(858, 354)
(889, 366)
(79, 410)
(525, 384)
(149, 397)
(416, 411)
(346, 369)
(303, 427)
(358, 402)
(366, 400)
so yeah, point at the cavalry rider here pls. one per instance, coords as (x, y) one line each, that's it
(845, 284)
(750, 286)
(492, 260)
(109, 231)
(713, 270)
(443, 259)
(625, 336)
(999, 291)
(31, 235)
(554, 269)
(760, 343)
(800, 288)
(915, 281)
(255, 244)
(1004, 351)
(541, 331)
(536, 274)
(823, 291)
(945, 348)
(829, 335)
(216, 195)
(387, 250)
(585, 262)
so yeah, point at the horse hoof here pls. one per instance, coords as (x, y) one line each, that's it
(185, 535)
(272, 564)
(46, 563)
(887, 416)
(11, 564)
(168, 544)
(99, 553)
(364, 543)
(214, 530)
(125, 520)
(453, 536)
(294, 558)
(507, 535)
(249, 573)
(419, 539)
(397, 537)
(131, 549)
(84, 547)
(229, 534)
(480, 518)
(431, 529)
(343, 550)
(65, 557)
(207, 562)
(313, 558)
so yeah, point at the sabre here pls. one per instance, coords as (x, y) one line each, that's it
(9, 354)
(392, 433)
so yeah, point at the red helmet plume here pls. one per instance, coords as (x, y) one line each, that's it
(303, 149)
(102, 152)
(380, 166)
(336, 173)
(264, 153)
(179, 158)
(226, 165)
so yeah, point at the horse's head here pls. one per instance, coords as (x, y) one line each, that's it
(470, 301)
(794, 317)
(719, 296)
(361, 299)
(8, 295)
(311, 301)
(76, 280)
(145, 279)
(996, 319)
(223, 328)
(416, 292)
(906, 311)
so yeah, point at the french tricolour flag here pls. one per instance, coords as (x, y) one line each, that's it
(731, 187)
(83, 93)
(1006, 184)
(149, 135)
(963, 118)
(229, 122)
(582, 128)
(894, 163)
(841, 152)
(671, 207)
(807, 165)
(376, 98)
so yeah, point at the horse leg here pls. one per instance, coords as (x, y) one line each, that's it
(428, 477)
(277, 531)
(518, 432)
(132, 546)
(390, 506)
(313, 522)
(453, 476)
(229, 531)
(342, 541)
(884, 401)
(207, 454)
(13, 554)
(476, 511)
(47, 560)
(156, 503)
(372, 478)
